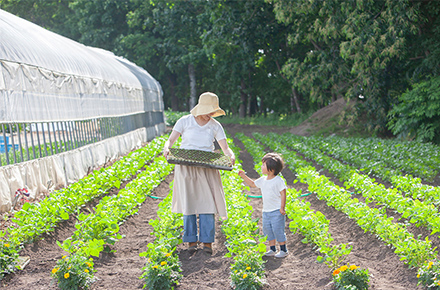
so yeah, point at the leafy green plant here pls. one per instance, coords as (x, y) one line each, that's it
(351, 277)
(429, 275)
(245, 244)
(162, 270)
(171, 117)
(74, 272)
(8, 256)
(418, 113)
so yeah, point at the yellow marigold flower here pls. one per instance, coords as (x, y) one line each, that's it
(244, 276)
(430, 265)
(168, 254)
(7, 245)
(418, 275)
(86, 270)
(336, 272)
(63, 257)
(69, 268)
(353, 267)
(54, 270)
(248, 268)
(89, 264)
(155, 266)
(67, 275)
(236, 271)
(438, 283)
(343, 268)
(163, 263)
(91, 259)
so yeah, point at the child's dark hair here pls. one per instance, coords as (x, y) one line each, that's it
(274, 162)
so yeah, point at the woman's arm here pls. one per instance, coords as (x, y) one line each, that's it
(173, 138)
(226, 150)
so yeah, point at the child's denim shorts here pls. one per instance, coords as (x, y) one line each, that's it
(273, 225)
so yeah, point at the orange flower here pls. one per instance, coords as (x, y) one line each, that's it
(336, 272)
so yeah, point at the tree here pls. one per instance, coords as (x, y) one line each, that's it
(351, 48)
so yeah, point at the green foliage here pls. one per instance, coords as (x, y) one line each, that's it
(74, 272)
(8, 256)
(171, 117)
(418, 113)
(162, 270)
(351, 277)
(429, 275)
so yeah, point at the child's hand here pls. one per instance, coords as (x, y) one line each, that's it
(282, 211)
(241, 173)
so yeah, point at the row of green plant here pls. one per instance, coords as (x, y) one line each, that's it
(34, 219)
(382, 157)
(243, 240)
(414, 252)
(163, 269)
(99, 229)
(416, 211)
(408, 184)
(414, 187)
(315, 229)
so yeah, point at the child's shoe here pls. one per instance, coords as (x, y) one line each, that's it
(270, 253)
(281, 254)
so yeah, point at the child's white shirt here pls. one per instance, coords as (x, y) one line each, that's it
(271, 192)
(199, 137)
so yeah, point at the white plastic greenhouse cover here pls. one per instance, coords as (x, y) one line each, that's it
(48, 77)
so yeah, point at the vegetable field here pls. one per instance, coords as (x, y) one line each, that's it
(369, 203)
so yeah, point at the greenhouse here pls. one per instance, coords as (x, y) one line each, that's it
(66, 108)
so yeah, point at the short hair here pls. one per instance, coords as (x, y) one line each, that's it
(274, 162)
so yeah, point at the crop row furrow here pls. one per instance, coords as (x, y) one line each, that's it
(414, 252)
(101, 227)
(420, 213)
(37, 218)
(312, 225)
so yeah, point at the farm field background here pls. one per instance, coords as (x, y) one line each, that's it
(121, 268)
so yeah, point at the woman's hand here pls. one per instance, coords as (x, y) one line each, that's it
(166, 151)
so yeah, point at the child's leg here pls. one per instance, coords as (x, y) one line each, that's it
(279, 223)
(268, 232)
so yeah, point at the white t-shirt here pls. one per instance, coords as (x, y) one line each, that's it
(199, 137)
(270, 190)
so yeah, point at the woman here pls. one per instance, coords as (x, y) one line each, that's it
(199, 190)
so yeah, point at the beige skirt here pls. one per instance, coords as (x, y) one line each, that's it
(198, 190)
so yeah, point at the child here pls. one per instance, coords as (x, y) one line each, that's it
(273, 189)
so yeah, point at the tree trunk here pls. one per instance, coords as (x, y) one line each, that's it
(192, 85)
(294, 92)
(174, 99)
(243, 98)
(295, 99)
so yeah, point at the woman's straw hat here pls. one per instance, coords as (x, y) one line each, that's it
(208, 103)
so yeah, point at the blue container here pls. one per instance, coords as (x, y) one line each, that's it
(2, 148)
(2, 140)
